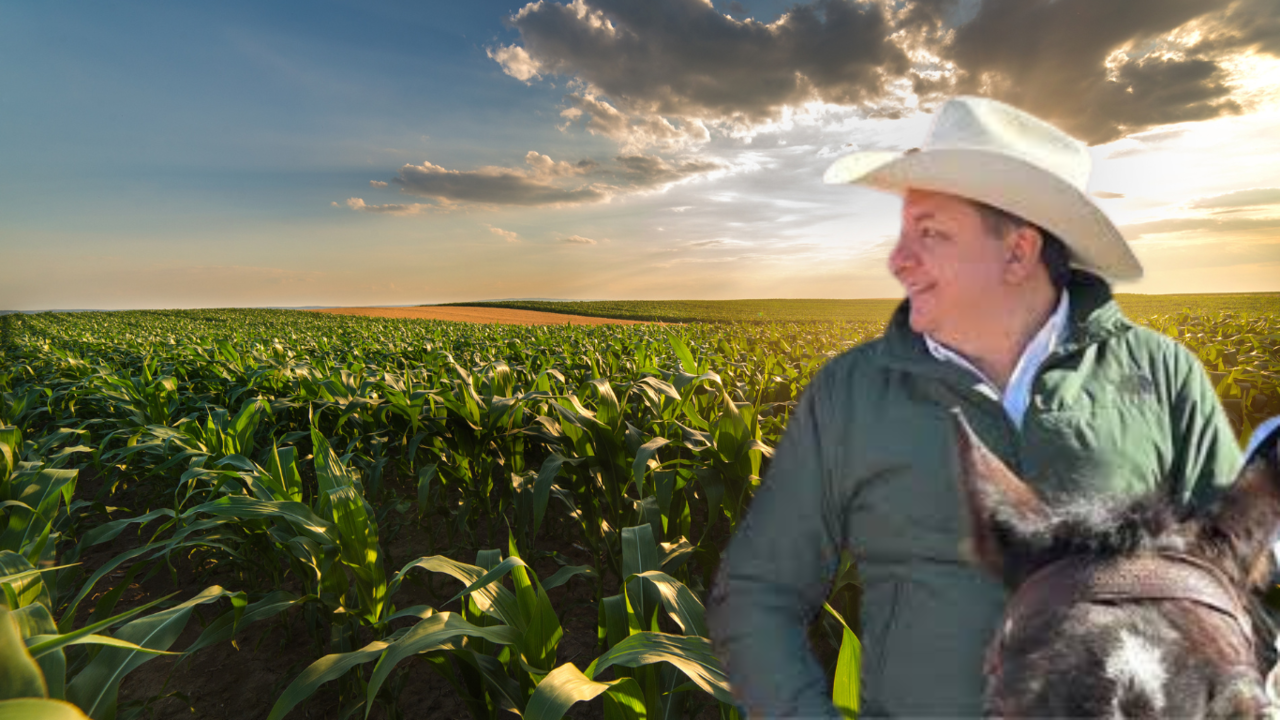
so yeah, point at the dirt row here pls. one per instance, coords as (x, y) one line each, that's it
(477, 315)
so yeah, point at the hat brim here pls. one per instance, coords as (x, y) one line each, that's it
(1006, 182)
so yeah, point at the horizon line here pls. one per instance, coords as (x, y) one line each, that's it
(551, 300)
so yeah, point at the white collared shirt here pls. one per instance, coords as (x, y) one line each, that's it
(1017, 396)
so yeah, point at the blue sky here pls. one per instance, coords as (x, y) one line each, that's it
(326, 153)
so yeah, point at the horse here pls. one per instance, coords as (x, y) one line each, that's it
(1123, 609)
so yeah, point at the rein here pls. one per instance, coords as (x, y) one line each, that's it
(1160, 576)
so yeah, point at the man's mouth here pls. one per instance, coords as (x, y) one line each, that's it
(918, 289)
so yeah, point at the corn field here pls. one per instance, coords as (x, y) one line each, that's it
(572, 488)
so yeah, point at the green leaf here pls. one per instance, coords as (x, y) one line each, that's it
(329, 667)
(682, 353)
(542, 489)
(226, 625)
(110, 530)
(505, 691)
(20, 577)
(566, 685)
(425, 475)
(36, 620)
(492, 598)
(692, 656)
(56, 642)
(41, 492)
(40, 709)
(95, 688)
(98, 640)
(563, 575)
(10, 449)
(20, 675)
(845, 690)
(69, 615)
(646, 457)
(282, 474)
(680, 602)
(358, 534)
(427, 636)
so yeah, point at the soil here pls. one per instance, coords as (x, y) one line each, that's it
(477, 315)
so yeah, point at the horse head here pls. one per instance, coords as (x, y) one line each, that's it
(1122, 609)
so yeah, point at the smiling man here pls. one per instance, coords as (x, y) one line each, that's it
(1009, 319)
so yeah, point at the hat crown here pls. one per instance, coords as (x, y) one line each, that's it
(973, 123)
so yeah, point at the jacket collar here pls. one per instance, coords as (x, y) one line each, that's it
(1094, 316)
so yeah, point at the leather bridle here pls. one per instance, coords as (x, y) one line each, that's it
(1141, 578)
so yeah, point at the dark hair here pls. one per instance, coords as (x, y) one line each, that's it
(1053, 252)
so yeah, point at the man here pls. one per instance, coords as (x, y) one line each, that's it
(1008, 318)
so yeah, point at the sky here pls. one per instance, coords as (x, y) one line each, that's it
(325, 153)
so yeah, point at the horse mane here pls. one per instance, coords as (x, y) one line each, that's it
(1107, 527)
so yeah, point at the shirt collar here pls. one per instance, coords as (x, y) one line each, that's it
(1050, 335)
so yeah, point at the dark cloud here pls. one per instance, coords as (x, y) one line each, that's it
(650, 170)
(490, 186)
(1250, 25)
(544, 182)
(684, 58)
(1241, 199)
(1204, 224)
(1060, 60)
(1099, 69)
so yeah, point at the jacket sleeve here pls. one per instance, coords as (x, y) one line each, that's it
(775, 573)
(1206, 454)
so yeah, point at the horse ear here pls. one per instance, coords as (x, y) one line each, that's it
(1245, 520)
(1005, 515)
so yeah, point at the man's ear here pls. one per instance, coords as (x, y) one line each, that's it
(1245, 520)
(1022, 248)
(1006, 518)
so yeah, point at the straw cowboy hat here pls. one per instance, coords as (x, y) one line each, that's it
(996, 154)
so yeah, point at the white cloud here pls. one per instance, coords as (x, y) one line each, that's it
(359, 205)
(579, 240)
(515, 61)
(377, 184)
(507, 235)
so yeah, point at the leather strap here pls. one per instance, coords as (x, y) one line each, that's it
(1150, 577)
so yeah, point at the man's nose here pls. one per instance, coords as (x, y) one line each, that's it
(902, 257)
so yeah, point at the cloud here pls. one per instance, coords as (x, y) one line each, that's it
(543, 166)
(1107, 195)
(492, 186)
(545, 181)
(683, 58)
(1240, 199)
(1209, 226)
(663, 72)
(1099, 70)
(377, 184)
(650, 170)
(634, 132)
(578, 240)
(359, 205)
(507, 235)
(516, 62)
(718, 242)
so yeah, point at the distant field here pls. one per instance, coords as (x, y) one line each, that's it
(1251, 303)
(877, 310)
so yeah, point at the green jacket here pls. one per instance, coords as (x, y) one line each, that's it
(868, 464)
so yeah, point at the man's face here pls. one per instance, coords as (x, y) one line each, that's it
(949, 265)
